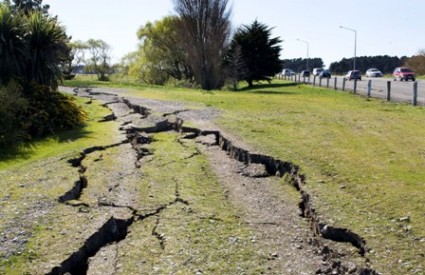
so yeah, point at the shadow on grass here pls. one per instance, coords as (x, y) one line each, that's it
(262, 88)
(25, 150)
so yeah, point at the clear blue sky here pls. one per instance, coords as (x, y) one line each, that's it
(390, 27)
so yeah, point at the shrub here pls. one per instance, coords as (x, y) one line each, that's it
(51, 112)
(13, 104)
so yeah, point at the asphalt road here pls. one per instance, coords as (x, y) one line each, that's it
(401, 91)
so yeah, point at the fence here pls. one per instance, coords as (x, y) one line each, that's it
(377, 87)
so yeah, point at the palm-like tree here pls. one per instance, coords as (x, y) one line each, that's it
(32, 47)
(47, 47)
(12, 46)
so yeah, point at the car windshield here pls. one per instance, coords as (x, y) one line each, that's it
(406, 70)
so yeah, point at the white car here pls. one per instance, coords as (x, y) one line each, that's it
(317, 71)
(373, 72)
(288, 72)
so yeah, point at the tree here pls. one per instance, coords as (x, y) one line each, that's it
(299, 64)
(235, 66)
(417, 62)
(259, 51)
(13, 54)
(76, 59)
(47, 47)
(205, 29)
(162, 54)
(99, 59)
(384, 63)
(29, 6)
(32, 47)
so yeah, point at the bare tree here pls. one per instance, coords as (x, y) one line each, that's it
(205, 28)
(76, 59)
(99, 60)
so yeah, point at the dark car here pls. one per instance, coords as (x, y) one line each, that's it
(325, 74)
(305, 73)
(353, 75)
(404, 73)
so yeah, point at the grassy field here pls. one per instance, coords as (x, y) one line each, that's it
(363, 158)
(200, 236)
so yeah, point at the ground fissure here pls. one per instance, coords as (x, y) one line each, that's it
(153, 189)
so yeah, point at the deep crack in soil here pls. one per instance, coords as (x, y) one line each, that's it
(254, 192)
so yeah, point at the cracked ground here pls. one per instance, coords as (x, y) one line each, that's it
(165, 199)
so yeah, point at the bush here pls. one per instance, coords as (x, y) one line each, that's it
(51, 112)
(34, 112)
(13, 104)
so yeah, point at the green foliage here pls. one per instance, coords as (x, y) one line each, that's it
(161, 55)
(11, 107)
(299, 64)
(47, 48)
(51, 112)
(75, 60)
(28, 6)
(417, 62)
(99, 59)
(12, 47)
(32, 47)
(259, 52)
(38, 113)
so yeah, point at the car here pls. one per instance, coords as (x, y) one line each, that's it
(373, 72)
(288, 72)
(325, 74)
(353, 75)
(305, 73)
(316, 71)
(404, 73)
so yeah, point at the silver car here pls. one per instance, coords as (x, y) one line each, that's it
(373, 72)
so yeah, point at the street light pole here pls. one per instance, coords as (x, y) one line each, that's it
(355, 43)
(308, 45)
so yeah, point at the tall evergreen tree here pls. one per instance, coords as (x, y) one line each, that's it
(259, 51)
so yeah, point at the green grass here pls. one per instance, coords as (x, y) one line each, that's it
(363, 158)
(34, 174)
(69, 141)
(196, 235)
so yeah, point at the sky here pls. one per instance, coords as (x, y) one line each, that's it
(390, 27)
